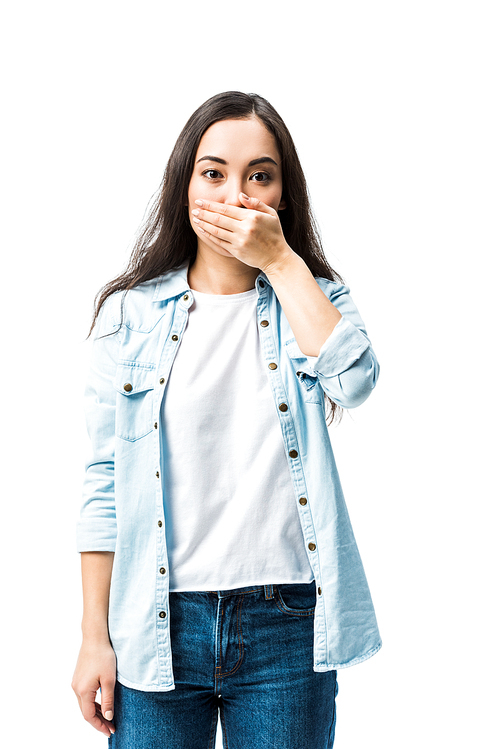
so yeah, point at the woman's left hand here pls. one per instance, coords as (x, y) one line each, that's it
(253, 234)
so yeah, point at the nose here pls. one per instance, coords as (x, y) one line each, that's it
(233, 189)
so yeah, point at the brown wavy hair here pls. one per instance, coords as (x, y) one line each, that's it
(167, 240)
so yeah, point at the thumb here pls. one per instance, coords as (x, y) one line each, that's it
(107, 699)
(257, 204)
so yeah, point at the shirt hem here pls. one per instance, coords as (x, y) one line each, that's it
(348, 664)
(144, 687)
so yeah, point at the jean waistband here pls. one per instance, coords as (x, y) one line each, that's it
(268, 590)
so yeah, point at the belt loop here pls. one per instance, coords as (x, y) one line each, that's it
(268, 591)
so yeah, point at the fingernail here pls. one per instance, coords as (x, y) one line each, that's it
(108, 715)
(245, 196)
(199, 202)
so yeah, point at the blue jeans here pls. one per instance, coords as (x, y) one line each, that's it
(248, 653)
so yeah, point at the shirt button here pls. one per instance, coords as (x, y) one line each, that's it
(273, 366)
(303, 501)
(319, 591)
(162, 570)
(283, 407)
(162, 615)
(162, 380)
(264, 323)
(293, 453)
(156, 425)
(312, 546)
(261, 283)
(185, 297)
(160, 524)
(175, 337)
(127, 387)
(157, 475)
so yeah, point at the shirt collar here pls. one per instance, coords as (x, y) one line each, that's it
(174, 282)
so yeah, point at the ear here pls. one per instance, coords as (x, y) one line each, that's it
(282, 205)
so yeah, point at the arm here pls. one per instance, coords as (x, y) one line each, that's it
(96, 532)
(329, 331)
(310, 313)
(96, 665)
(96, 527)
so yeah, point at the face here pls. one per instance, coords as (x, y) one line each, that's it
(225, 165)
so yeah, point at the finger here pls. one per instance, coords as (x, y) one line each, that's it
(214, 231)
(216, 219)
(88, 705)
(212, 239)
(107, 697)
(91, 711)
(224, 208)
(100, 723)
(107, 723)
(79, 703)
(257, 205)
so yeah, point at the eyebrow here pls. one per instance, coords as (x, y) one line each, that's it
(261, 160)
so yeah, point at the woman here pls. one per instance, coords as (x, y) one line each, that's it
(219, 566)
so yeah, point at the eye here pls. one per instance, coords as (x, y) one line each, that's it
(261, 177)
(208, 172)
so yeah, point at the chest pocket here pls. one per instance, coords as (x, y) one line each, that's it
(309, 383)
(134, 383)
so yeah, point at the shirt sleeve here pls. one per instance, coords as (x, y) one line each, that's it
(346, 365)
(96, 527)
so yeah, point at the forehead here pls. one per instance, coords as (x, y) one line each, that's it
(239, 139)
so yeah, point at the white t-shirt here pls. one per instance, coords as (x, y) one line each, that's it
(230, 510)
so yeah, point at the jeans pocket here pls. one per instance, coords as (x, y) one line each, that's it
(296, 599)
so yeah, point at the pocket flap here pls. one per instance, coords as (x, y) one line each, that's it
(300, 360)
(133, 377)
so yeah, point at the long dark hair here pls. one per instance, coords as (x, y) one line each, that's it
(167, 239)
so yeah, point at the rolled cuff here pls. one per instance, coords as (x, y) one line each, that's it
(93, 537)
(344, 346)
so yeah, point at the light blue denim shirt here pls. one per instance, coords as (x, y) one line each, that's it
(123, 504)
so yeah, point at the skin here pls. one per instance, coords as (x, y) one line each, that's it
(96, 665)
(231, 266)
(233, 210)
(234, 214)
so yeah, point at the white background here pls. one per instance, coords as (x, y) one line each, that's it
(394, 110)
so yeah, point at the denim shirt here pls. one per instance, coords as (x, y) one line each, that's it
(123, 504)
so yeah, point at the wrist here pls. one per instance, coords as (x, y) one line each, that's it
(93, 632)
(285, 258)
